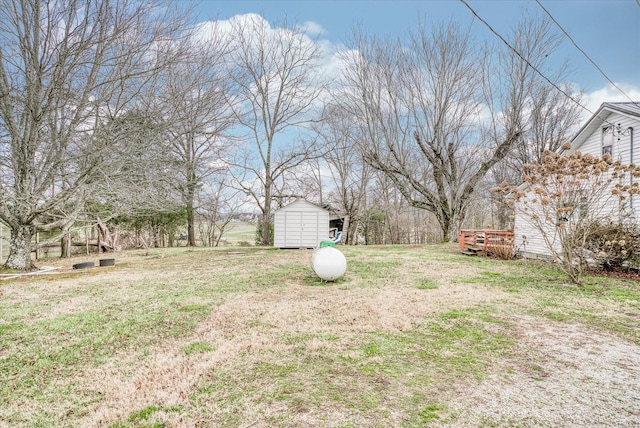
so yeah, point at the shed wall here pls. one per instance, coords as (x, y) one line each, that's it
(300, 225)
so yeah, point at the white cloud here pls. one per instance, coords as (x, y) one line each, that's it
(610, 94)
(213, 30)
(312, 28)
(329, 64)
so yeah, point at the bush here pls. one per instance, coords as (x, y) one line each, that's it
(614, 246)
(259, 233)
(505, 252)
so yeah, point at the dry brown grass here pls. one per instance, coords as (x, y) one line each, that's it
(481, 346)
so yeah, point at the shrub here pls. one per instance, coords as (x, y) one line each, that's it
(259, 233)
(564, 196)
(504, 252)
(614, 246)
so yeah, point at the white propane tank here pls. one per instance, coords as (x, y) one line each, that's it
(328, 263)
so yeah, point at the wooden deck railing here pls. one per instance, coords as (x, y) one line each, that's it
(485, 241)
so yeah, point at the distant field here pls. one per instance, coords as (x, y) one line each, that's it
(240, 231)
(411, 336)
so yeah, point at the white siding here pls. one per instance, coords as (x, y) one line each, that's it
(528, 239)
(589, 140)
(593, 144)
(621, 138)
(622, 141)
(300, 225)
(625, 148)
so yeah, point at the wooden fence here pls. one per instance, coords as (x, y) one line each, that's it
(486, 241)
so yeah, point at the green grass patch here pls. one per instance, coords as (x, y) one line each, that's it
(195, 308)
(143, 414)
(426, 284)
(197, 347)
(559, 300)
(4, 328)
(430, 413)
(140, 419)
(37, 353)
(373, 269)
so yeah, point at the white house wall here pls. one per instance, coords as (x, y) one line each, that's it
(623, 151)
(528, 238)
(621, 140)
(590, 141)
(627, 132)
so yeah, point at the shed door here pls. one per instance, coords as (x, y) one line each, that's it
(301, 229)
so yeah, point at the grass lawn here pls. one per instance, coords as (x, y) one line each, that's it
(411, 336)
(240, 232)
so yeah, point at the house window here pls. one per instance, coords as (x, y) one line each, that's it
(607, 140)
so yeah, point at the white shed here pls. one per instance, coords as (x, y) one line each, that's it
(300, 224)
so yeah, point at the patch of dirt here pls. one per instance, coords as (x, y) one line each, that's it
(628, 275)
(560, 375)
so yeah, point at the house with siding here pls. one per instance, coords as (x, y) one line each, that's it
(612, 129)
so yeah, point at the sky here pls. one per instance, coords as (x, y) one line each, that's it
(608, 31)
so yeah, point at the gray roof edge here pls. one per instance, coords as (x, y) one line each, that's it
(628, 108)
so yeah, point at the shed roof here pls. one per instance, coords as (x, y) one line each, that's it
(301, 202)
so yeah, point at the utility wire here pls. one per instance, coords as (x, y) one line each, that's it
(585, 54)
(529, 63)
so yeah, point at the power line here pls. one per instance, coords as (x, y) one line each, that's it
(585, 54)
(529, 63)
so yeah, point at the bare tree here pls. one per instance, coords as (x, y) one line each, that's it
(417, 106)
(66, 68)
(196, 116)
(551, 118)
(349, 173)
(422, 107)
(545, 116)
(218, 204)
(277, 86)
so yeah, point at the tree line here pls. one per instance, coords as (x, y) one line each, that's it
(122, 113)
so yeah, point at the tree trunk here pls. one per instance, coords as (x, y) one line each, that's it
(266, 227)
(345, 230)
(191, 231)
(106, 242)
(20, 249)
(156, 235)
(65, 246)
(266, 214)
(445, 225)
